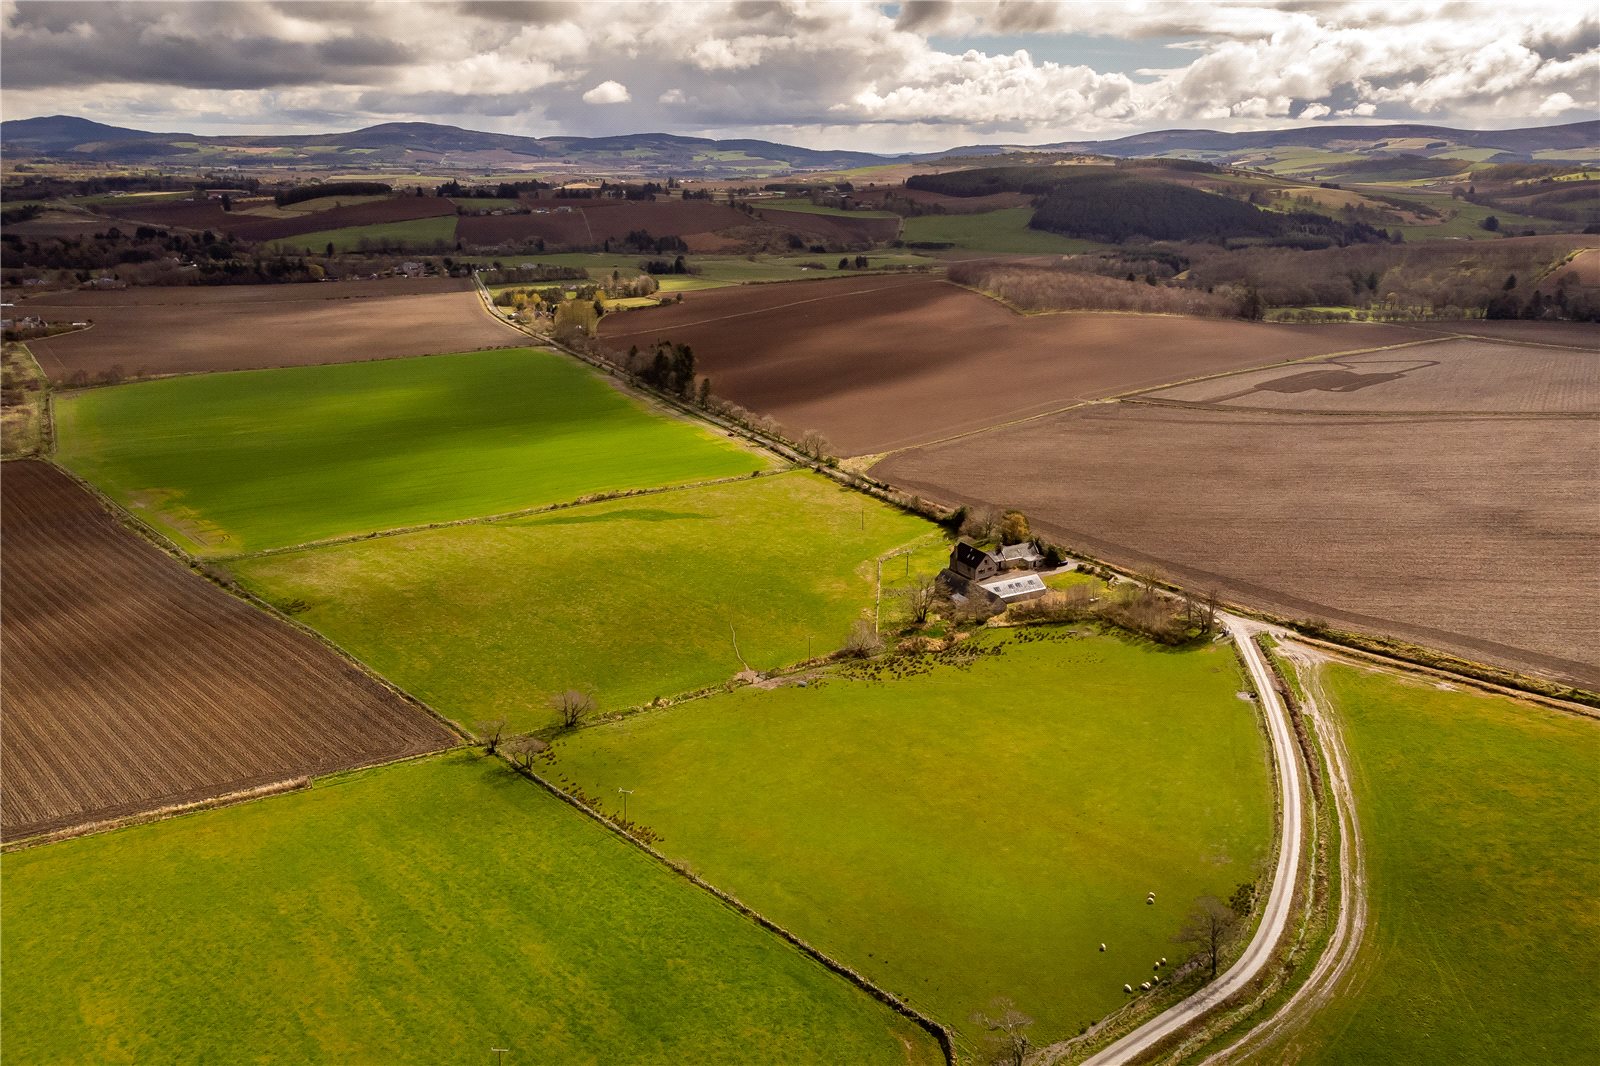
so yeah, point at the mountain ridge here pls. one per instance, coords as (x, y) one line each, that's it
(73, 137)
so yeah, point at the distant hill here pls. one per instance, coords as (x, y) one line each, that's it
(65, 137)
(1393, 139)
(432, 144)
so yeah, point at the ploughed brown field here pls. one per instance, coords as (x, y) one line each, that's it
(237, 327)
(888, 362)
(589, 223)
(204, 215)
(832, 229)
(132, 684)
(1452, 504)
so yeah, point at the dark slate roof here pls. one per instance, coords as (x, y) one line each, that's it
(970, 555)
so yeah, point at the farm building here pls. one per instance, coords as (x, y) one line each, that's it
(973, 563)
(1009, 590)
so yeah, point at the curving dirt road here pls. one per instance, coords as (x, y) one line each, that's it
(1275, 918)
(1261, 1042)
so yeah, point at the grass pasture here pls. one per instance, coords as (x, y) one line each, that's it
(229, 463)
(424, 912)
(415, 231)
(714, 272)
(1000, 231)
(1479, 817)
(638, 597)
(808, 208)
(961, 830)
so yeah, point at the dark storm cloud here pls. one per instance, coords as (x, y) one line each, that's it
(198, 46)
(521, 12)
(922, 15)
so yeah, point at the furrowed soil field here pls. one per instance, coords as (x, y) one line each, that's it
(1480, 377)
(250, 227)
(132, 684)
(1474, 534)
(882, 363)
(969, 825)
(1478, 816)
(424, 912)
(591, 222)
(638, 598)
(231, 463)
(176, 331)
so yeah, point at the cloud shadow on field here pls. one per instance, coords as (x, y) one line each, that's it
(635, 514)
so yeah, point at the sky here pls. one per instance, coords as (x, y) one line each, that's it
(884, 77)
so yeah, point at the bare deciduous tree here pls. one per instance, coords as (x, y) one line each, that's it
(490, 731)
(863, 641)
(1008, 1032)
(573, 706)
(523, 750)
(814, 444)
(921, 599)
(1207, 929)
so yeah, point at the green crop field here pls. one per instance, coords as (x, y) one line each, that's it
(712, 271)
(425, 912)
(423, 232)
(229, 463)
(1479, 816)
(992, 231)
(962, 831)
(808, 208)
(639, 598)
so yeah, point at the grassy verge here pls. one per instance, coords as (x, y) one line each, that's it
(423, 912)
(638, 598)
(228, 463)
(24, 419)
(966, 826)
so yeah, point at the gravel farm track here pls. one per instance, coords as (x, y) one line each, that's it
(877, 363)
(132, 684)
(238, 327)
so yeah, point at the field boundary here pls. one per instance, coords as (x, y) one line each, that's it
(135, 525)
(940, 1033)
(527, 512)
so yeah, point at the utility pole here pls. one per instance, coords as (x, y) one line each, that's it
(626, 792)
(499, 1054)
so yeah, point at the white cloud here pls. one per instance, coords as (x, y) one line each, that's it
(607, 92)
(838, 71)
(1556, 104)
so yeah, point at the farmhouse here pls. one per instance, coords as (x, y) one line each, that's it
(1009, 590)
(973, 563)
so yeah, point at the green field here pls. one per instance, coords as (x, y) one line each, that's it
(639, 598)
(965, 831)
(992, 231)
(806, 207)
(421, 232)
(712, 271)
(229, 463)
(1479, 816)
(424, 913)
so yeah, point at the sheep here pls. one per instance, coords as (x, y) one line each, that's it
(1150, 899)
(1102, 947)
(1163, 960)
(1128, 989)
(1145, 986)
